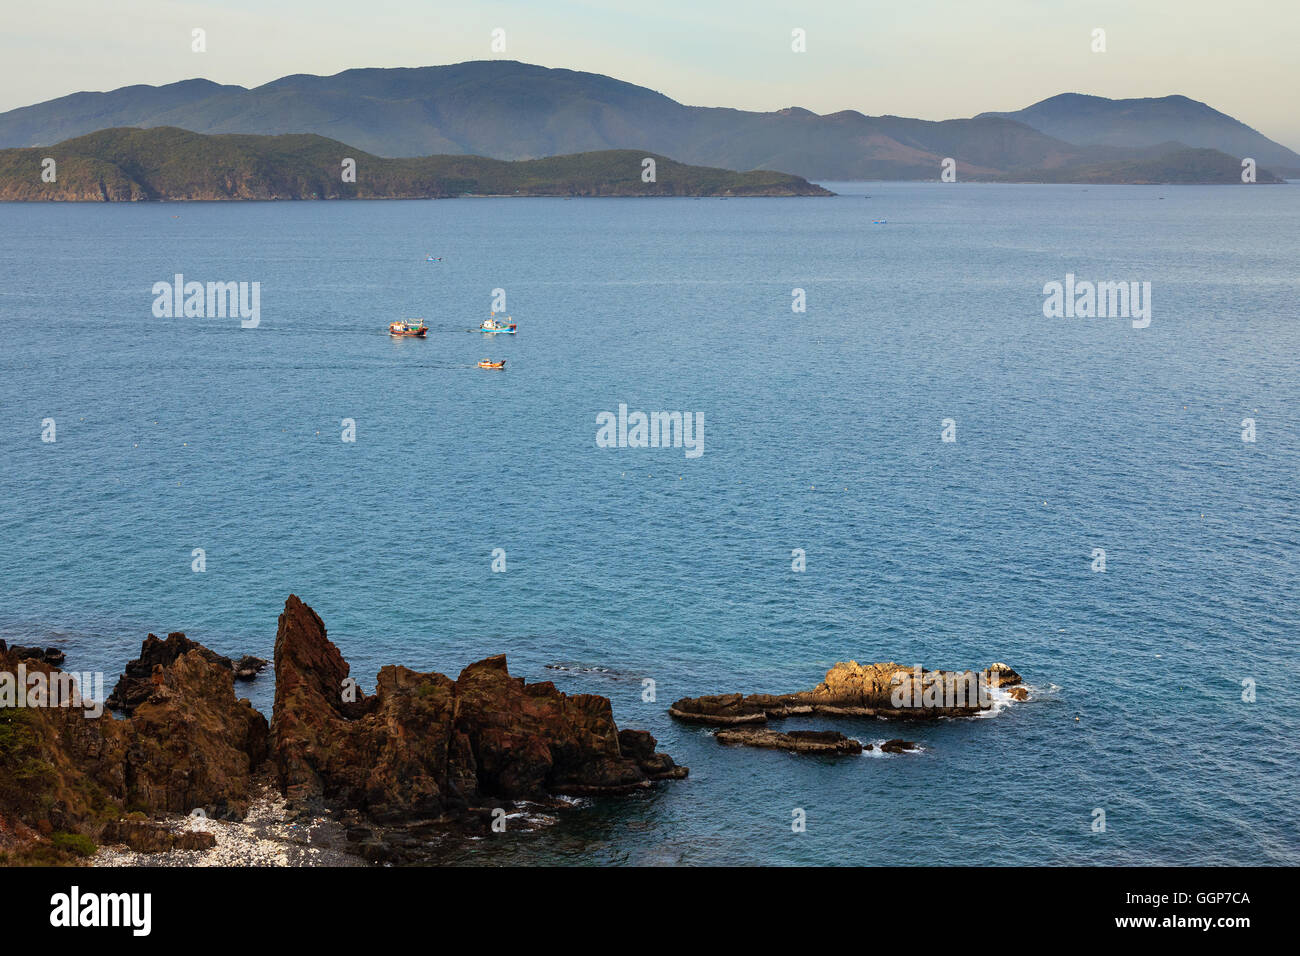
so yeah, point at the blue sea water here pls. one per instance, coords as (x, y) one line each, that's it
(822, 432)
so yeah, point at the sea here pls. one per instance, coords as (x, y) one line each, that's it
(902, 458)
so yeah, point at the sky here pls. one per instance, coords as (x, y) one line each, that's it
(933, 59)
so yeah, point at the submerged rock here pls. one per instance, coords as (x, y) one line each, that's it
(888, 691)
(897, 746)
(796, 741)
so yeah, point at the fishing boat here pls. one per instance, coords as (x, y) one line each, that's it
(494, 326)
(487, 363)
(406, 327)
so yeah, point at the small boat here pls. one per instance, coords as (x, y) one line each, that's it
(486, 363)
(496, 327)
(433, 258)
(414, 327)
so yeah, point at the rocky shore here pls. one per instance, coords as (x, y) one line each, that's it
(878, 691)
(882, 691)
(188, 765)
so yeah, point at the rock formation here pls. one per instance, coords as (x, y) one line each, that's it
(47, 655)
(796, 741)
(188, 744)
(422, 749)
(147, 837)
(425, 746)
(887, 691)
(135, 684)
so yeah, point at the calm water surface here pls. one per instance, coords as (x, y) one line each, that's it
(822, 432)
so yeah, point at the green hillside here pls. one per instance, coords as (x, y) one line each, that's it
(174, 164)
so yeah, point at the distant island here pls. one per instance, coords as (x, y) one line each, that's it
(507, 110)
(166, 163)
(1178, 166)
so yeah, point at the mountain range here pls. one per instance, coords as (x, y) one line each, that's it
(508, 110)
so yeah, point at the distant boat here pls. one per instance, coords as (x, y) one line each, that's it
(414, 327)
(433, 258)
(496, 327)
(880, 221)
(487, 363)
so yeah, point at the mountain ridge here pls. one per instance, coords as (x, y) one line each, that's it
(505, 109)
(1088, 120)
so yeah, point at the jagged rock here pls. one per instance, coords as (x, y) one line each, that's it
(60, 769)
(530, 740)
(189, 744)
(135, 684)
(422, 748)
(193, 744)
(45, 655)
(888, 691)
(194, 840)
(796, 741)
(425, 746)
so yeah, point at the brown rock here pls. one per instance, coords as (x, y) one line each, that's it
(136, 683)
(888, 691)
(189, 744)
(192, 744)
(146, 837)
(426, 746)
(640, 746)
(531, 740)
(796, 741)
(47, 655)
(194, 840)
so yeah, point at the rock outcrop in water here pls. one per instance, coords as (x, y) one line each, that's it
(425, 746)
(887, 691)
(137, 681)
(48, 655)
(796, 741)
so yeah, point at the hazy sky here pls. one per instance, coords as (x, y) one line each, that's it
(935, 59)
